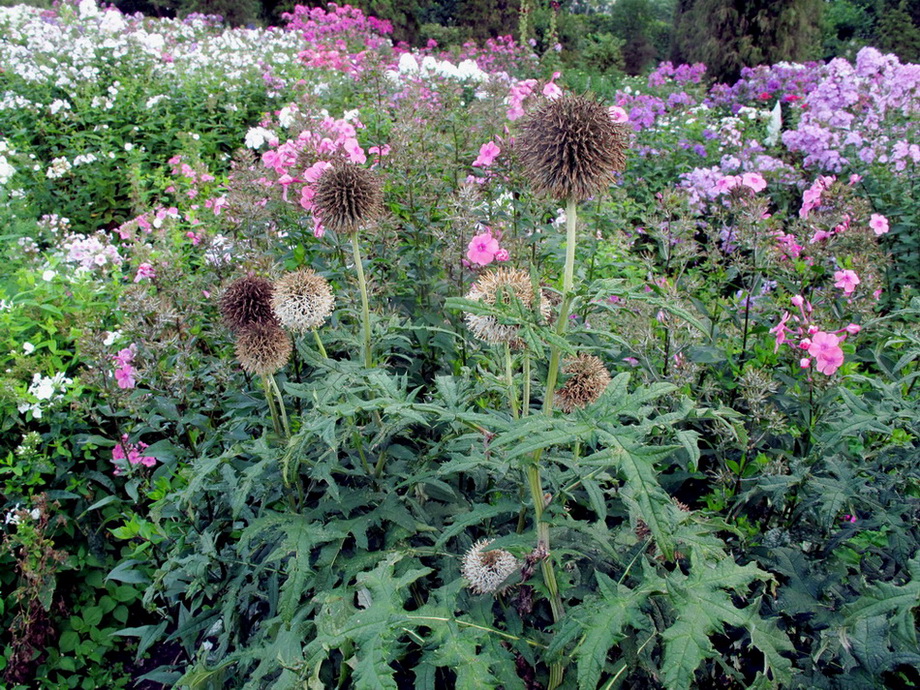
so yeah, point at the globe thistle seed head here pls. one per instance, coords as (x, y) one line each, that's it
(245, 302)
(302, 300)
(487, 570)
(347, 196)
(588, 379)
(263, 348)
(502, 283)
(571, 148)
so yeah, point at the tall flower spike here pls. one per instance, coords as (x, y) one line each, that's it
(263, 348)
(487, 570)
(588, 379)
(245, 302)
(347, 196)
(570, 147)
(302, 300)
(492, 284)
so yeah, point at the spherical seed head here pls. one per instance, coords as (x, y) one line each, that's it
(302, 300)
(245, 302)
(347, 196)
(588, 379)
(487, 570)
(263, 348)
(571, 148)
(502, 283)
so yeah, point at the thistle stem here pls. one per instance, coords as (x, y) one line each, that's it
(525, 407)
(534, 479)
(319, 344)
(365, 310)
(270, 399)
(284, 418)
(509, 380)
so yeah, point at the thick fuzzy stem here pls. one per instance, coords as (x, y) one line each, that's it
(365, 309)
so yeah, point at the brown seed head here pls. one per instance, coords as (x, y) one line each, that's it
(302, 300)
(347, 196)
(263, 348)
(588, 379)
(245, 302)
(570, 148)
(502, 283)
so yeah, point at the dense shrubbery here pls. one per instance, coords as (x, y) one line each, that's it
(720, 487)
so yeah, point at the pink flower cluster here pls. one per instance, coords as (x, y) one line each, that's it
(751, 180)
(520, 90)
(145, 272)
(484, 248)
(811, 199)
(823, 346)
(124, 371)
(125, 452)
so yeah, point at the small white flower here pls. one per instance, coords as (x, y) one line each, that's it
(48, 275)
(111, 337)
(28, 348)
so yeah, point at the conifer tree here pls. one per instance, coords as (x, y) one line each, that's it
(727, 35)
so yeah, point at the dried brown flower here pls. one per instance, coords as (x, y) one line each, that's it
(247, 301)
(263, 348)
(502, 283)
(347, 196)
(570, 147)
(302, 300)
(487, 570)
(588, 379)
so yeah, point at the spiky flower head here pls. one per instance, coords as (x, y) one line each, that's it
(503, 283)
(263, 348)
(347, 196)
(245, 302)
(302, 300)
(570, 147)
(588, 379)
(487, 570)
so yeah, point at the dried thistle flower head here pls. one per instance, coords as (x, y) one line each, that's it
(487, 570)
(588, 379)
(347, 196)
(263, 348)
(502, 283)
(302, 300)
(570, 147)
(245, 302)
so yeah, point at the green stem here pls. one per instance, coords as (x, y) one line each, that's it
(284, 417)
(319, 344)
(365, 310)
(525, 408)
(270, 399)
(509, 380)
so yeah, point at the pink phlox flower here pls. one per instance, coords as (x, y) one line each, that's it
(354, 151)
(846, 280)
(820, 235)
(725, 184)
(318, 229)
(805, 362)
(617, 114)
(145, 272)
(128, 452)
(482, 249)
(313, 173)
(502, 255)
(124, 377)
(825, 348)
(853, 328)
(780, 330)
(754, 181)
(551, 91)
(879, 224)
(488, 152)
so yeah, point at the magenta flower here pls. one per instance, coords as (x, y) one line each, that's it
(125, 451)
(502, 255)
(846, 280)
(482, 249)
(780, 330)
(825, 348)
(551, 91)
(487, 154)
(879, 224)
